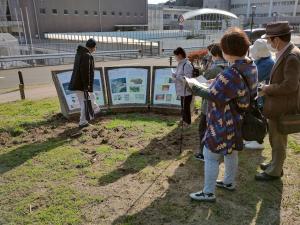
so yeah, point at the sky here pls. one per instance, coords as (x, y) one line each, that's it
(156, 1)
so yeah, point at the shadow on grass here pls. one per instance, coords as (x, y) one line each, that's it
(252, 203)
(159, 149)
(20, 155)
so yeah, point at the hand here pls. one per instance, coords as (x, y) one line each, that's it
(174, 75)
(210, 81)
(263, 89)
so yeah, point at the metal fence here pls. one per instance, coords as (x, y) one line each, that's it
(9, 62)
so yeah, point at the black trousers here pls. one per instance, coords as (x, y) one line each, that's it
(186, 108)
(202, 130)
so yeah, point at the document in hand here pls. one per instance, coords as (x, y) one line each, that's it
(199, 82)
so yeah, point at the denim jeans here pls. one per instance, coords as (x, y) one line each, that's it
(211, 169)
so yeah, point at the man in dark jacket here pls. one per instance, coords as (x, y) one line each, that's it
(83, 77)
(282, 95)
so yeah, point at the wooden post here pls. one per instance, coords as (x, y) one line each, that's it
(171, 60)
(21, 85)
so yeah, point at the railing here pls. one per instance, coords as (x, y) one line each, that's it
(10, 23)
(9, 62)
(169, 52)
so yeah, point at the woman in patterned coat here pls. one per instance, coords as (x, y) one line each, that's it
(227, 93)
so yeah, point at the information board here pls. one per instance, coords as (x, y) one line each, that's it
(163, 88)
(128, 85)
(68, 99)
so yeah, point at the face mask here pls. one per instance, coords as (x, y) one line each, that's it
(269, 46)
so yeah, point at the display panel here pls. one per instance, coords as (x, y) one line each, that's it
(128, 85)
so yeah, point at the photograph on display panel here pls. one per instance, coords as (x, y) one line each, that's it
(163, 88)
(128, 85)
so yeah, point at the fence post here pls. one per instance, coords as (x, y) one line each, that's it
(21, 85)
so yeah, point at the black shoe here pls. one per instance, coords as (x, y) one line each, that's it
(265, 177)
(264, 166)
(199, 156)
(84, 125)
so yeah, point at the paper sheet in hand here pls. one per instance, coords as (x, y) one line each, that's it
(200, 82)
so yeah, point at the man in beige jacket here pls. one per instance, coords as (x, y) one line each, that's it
(282, 95)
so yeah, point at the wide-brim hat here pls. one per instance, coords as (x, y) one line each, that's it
(277, 29)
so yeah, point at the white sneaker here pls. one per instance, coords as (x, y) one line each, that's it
(203, 197)
(245, 142)
(254, 145)
(97, 110)
(229, 187)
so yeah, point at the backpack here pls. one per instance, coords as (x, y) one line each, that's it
(254, 125)
(195, 73)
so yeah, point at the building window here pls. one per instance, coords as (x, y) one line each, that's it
(76, 12)
(120, 13)
(128, 14)
(66, 12)
(95, 13)
(54, 11)
(135, 14)
(112, 13)
(104, 13)
(86, 12)
(142, 14)
(167, 16)
(42, 11)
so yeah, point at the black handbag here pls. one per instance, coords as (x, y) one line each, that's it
(89, 111)
(254, 125)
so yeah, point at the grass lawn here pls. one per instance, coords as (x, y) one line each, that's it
(126, 170)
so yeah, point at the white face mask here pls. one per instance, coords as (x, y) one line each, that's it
(269, 46)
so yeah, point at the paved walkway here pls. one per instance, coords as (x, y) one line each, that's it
(38, 80)
(32, 93)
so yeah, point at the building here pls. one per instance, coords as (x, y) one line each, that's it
(217, 4)
(43, 16)
(265, 11)
(190, 3)
(164, 17)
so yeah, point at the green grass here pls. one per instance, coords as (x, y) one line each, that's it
(103, 149)
(16, 117)
(55, 180)
(293, 144)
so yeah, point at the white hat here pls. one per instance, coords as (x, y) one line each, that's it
(259, 49)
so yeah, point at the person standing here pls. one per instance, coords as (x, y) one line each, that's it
(263, 60)
(217, 66)
(83, 78)
(282, 95)
(223, 136)
(184, 68)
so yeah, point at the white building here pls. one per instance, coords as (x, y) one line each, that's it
(163, 17)
(265, 11)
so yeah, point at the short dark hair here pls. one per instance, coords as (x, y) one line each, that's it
(235, 42)
(180, 51)
(215, 50)
(285, 38)
(91, 43)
